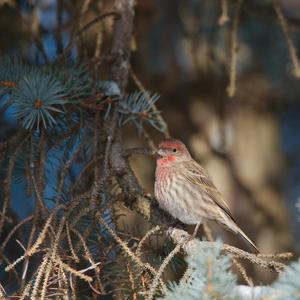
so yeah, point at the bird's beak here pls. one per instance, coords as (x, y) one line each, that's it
(160, 153)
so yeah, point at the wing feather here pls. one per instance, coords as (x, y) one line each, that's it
(197, 175)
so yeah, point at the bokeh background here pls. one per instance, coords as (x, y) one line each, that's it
(249, 143)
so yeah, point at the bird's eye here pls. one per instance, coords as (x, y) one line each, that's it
(174, 150)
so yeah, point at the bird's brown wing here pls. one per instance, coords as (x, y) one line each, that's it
(197, 175)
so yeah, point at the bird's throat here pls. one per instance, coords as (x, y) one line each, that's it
(166, 160)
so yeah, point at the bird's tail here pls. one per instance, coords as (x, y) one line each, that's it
(245, 237)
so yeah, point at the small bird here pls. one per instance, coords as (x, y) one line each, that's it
(184, 189)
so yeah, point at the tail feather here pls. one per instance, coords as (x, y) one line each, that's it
(232, 226)
(245, 237)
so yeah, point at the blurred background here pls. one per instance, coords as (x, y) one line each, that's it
(182, 50)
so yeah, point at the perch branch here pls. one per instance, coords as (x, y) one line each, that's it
(178, 235)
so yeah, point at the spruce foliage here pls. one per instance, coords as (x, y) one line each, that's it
(207, 277)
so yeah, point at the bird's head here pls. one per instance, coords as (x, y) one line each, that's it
(172, 151)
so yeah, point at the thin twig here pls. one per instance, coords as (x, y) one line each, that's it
(74, 255)
(73, 271)
(161, 269)
(242, 271)
(33, 249)
(8, 237)
(145, 237)
(34, 181)
(292, 49)
(127, 250)
(224, 18)
(52, 257)
(27, 262)
(7, 185)
(84, 8)
(154, 108)
(83, 29)
(231, 89)
(64, 170)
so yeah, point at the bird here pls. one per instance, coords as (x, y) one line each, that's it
(185, 190)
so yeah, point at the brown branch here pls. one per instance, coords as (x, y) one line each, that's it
(127, 250)
(7, 187)
(41, 163)
(292, 49)
(231, 89)
(121, 47)
(82, 30)
(224, 18)
(8, 179)
(242, 271)
(152, 231)
(178, 235)
(13, 141)
(138, 151)
(63, 172)
(34, 179)
(8, 237)
(160, 271)
(121, 52)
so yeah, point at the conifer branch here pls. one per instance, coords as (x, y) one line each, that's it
(179, 235)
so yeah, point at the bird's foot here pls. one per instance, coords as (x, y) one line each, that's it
(188, 239)
(195, 232)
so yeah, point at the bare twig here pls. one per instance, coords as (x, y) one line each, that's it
(38, 194)
(63, 172)
(231, 89)
(145, 237)
(137, 151)
(284, 25)
(84, 9)
(37, 243)
(82, 30)
(224, 18)
(73, 271)
(127, 250)
(7, 187)
(242, 271)
(161, 269)
(74, 255)
(8, 237)
(13, 141)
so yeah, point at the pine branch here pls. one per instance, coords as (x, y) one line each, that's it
(179, 235)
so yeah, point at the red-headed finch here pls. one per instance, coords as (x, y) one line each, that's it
(184, 189)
